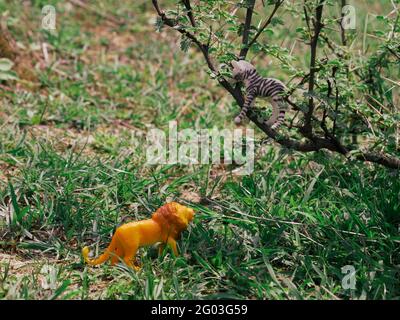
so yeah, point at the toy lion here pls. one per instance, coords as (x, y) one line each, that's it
(165, 225)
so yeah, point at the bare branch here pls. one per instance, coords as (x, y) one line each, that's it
(342, 30)
(382, 159)
(314, 145)
(307, 128)
(331, 46)
(188, 7)
(393, 52)
(336, 106)
(306, 17)
(246, 28)
(262, 28)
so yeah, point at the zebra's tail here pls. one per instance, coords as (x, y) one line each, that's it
(278, 113)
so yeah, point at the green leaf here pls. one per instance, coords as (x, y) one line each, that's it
(23, 213)
(61, 289)
(185, 44)
(19, 214)
(7, 76)
(159, 24)
(13, 198)
(5, 64)
(270, 31)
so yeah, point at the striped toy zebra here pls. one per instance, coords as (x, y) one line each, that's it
(257, 86)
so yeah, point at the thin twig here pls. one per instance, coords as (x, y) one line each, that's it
(260, 31)
(342, 30)
(307, 129)
(188, 7)
(246, 29)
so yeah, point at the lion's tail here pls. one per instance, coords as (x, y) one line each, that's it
(102, 258)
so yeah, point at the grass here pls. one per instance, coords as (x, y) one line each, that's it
(72, 168)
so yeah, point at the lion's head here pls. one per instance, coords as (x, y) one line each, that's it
(174, 217)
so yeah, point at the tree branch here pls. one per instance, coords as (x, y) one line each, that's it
(181, 29)
(307, 128)
(382, 159)
(203, 48)
(342, 30)
(245, 50)
(188, 7)
(246, 29)
(314, 145)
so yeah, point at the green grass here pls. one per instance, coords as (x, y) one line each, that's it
(72, 168)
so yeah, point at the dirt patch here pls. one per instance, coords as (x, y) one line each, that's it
(17, 265)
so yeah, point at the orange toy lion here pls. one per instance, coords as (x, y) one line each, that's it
(165, 225)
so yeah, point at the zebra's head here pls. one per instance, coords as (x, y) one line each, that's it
(242, 70)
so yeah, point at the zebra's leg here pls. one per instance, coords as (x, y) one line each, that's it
(275, 112)
(279, 110)
(249, 102)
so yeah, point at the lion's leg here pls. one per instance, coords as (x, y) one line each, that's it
(161, 248)
(117, 255)
(129, 256)
(172, 244)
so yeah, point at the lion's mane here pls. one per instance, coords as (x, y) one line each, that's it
(168, 217)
